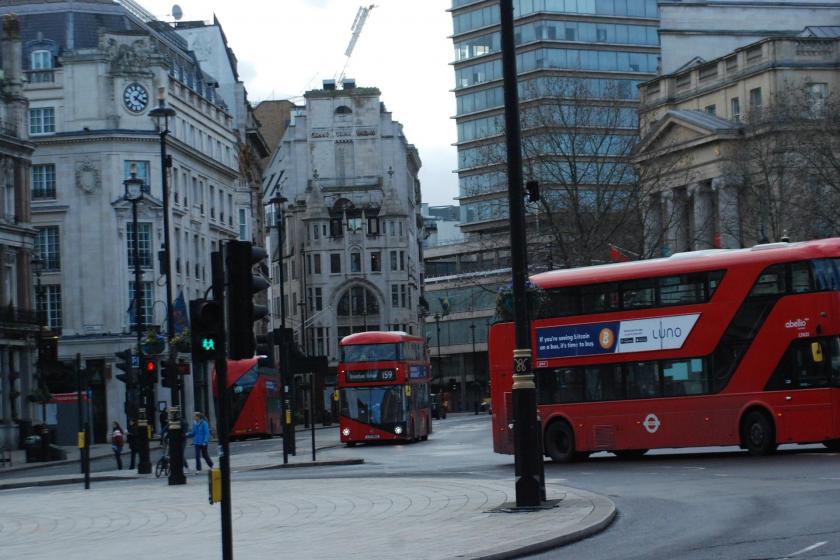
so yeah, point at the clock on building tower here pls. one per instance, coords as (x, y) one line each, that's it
(135, 97)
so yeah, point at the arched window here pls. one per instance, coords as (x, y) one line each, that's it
(358, 301)
(343, 110)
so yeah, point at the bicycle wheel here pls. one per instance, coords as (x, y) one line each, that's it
(162, 467)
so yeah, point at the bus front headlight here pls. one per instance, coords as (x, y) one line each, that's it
(398, 430)
(345, 432)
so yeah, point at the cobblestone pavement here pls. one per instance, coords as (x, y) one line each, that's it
(368, 518)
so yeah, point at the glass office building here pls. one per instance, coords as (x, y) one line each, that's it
(605, 46)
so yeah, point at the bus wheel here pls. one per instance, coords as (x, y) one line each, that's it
(833, 444)
(757, 434)
(630, 454)
(560, 442)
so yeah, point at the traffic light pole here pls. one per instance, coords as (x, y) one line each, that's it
(223, 424)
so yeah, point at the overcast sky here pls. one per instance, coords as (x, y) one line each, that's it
(286, 47)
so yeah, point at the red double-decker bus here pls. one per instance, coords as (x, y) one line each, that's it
(256, 400)
(383, 384)
(711, 348)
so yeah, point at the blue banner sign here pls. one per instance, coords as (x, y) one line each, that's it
(614, 337)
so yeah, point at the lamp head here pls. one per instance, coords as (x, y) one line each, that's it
(133, 186)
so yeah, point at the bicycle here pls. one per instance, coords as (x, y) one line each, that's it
(162, 466)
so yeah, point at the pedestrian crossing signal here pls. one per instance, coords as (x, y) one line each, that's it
(206, 329)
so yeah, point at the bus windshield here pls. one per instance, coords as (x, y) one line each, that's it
(374, 405)
(369, 352)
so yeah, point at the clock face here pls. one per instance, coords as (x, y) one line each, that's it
(135, 97)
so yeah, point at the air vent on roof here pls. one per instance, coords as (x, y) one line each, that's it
(329, 85)
(777, 245)
(348, 84)
(701, 253)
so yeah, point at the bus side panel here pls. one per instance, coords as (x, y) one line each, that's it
(500, 359)
(252, 420)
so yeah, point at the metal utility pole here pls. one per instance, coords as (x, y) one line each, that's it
(527, 444)
(218, 269)
(161, 114)
(285, 366)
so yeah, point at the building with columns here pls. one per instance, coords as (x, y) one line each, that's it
(695, 123)
(93, 71)
(19, 322)
(352, 246)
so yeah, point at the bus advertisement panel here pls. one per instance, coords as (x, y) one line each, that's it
(383, 385)
(718, 347)
(256, 400)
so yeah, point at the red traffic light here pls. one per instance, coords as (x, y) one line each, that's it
(150, 367)
(148, 371)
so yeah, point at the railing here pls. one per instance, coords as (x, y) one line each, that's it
(8, 128)
(40, 76)
(11, 314)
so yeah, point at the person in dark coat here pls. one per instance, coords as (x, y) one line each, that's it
(132, 438)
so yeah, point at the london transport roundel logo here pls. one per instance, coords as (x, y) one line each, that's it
(651, 423)
(606, 338)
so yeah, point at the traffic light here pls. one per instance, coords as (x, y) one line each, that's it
(242, 284)
(168, 376)
(148, 371)
(124, 363)
(206, 330)
(265, 350)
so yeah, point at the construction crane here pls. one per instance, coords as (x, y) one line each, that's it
(356, 28)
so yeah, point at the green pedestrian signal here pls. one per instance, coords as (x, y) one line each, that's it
(206, 330)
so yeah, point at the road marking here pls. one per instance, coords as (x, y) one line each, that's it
(808, 549)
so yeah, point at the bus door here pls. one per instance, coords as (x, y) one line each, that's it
(801, 380)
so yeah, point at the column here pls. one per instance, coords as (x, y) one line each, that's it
(666, 220)
(702, 221)
(729, 222)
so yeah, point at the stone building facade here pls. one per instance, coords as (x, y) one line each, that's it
(19, 323)
(695, 120)
(94, 70)
(352, 239)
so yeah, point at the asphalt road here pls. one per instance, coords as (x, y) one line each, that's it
(714, 503)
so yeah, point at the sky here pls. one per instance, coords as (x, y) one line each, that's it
(286, 47)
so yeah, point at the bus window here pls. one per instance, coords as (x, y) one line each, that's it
(715, 278)
(826, 274)
(684, 377)
(800, 277)
(642, 380)
(604, 382)
(368, 352)
(599, 298)
(833, 348)
(770, 282)
(638, 293)
(681, 290)
(561, 303)
(561, 385)
(798, 370)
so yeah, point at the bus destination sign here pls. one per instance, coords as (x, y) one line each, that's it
(368, 375)
(615, 337)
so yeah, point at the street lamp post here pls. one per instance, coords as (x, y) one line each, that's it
(161, 114)
(277, 203)
(440, 362)
(38, 266)
(134, 193)
(475, 377)
(527, 444)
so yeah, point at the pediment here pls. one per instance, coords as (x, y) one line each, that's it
(674, 134)
(684, 127)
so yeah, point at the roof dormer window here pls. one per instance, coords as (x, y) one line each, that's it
(344, 110)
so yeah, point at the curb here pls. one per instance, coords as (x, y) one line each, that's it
(328, 463)
(61, 481)
(602, 515)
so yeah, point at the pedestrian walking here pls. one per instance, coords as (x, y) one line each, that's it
(117, 442)
(200, 435)
(164, 427)
(133, 446)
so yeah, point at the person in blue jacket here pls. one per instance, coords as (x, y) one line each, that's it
(200, 435)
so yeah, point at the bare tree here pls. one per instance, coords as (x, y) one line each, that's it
(788, 166)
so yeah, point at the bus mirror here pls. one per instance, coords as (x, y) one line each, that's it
(408, 390)
(817, 352)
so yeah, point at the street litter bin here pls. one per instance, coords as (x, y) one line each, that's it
(34, 451)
